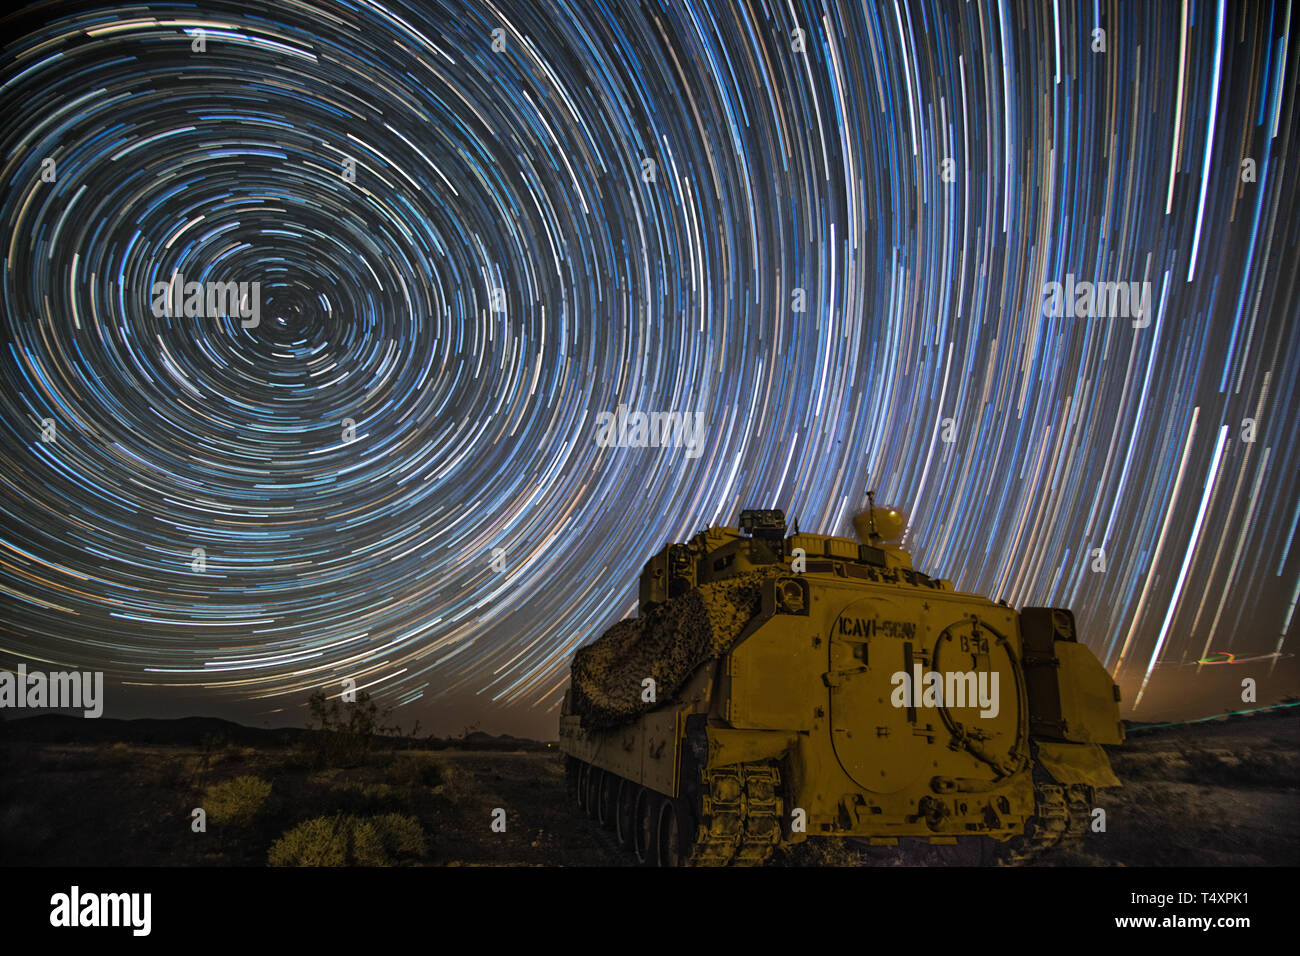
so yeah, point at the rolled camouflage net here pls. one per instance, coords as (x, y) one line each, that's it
(667, 644)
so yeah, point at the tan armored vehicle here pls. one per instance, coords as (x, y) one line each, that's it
(779, 687)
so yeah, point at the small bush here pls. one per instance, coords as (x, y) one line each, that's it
(318, 842)
(414, 773)
(236, 802)
(346, 840)
(343, 735)
(402, 834)
(358, 798)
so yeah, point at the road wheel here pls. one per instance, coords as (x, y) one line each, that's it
(647, 816)
(594, 776)
(605, 805)
(583, 771)
(669, 833)
(572, 766)
(625, 814)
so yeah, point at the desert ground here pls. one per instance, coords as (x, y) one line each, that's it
(1213, 794)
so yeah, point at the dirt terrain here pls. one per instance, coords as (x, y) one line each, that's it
(71, 805)
(1204, 794)
(1224, 793)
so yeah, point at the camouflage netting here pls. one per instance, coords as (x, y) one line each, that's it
(667, 644)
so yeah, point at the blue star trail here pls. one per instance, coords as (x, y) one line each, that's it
(827, 227)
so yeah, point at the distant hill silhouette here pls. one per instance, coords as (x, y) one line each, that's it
(202, 731)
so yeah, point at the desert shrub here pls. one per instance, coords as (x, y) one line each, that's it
(219, 749)
(402, 834)
(414, 772)
(347, 840)
(236, 802)
(368, 845)
(359, 798)
(317, 842)
(342, 735)
(293, 759)
(215, 740)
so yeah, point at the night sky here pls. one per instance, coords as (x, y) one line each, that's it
(826, 227)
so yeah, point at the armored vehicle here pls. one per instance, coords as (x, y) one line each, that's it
(779, 687)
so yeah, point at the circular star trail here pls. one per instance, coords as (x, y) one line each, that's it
(473, 229)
